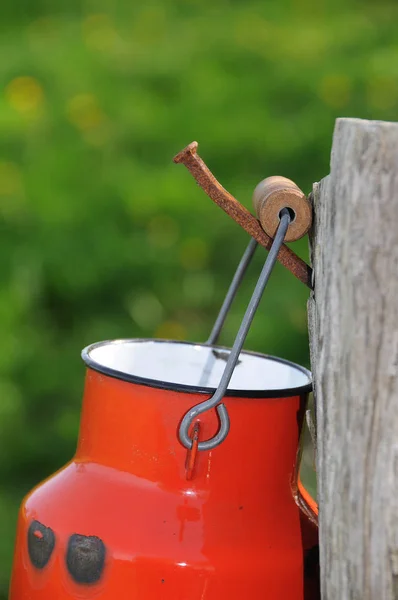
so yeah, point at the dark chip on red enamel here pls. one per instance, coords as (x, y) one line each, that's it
(41, 542)
(85, 558)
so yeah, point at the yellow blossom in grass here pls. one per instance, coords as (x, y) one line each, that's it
(84, 112)
(335, 90)
(171, 330)
(24, 94)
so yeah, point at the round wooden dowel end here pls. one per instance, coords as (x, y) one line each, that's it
(275, 193)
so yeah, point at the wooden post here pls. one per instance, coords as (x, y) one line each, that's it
(353, 316)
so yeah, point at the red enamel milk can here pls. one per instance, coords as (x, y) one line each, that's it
(184, 484)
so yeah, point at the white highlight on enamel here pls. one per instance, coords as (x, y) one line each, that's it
(194, 365)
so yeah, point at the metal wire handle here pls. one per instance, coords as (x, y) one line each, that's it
(233, 288)
(216, 400)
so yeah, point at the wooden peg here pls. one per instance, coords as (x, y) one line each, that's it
(275, 193)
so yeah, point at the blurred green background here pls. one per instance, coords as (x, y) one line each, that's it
(102, 236)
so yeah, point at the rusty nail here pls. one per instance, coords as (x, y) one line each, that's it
(239, 213)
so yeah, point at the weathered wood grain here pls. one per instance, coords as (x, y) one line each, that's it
(353, 318)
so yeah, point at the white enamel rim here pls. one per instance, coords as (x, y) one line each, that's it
(298, 373)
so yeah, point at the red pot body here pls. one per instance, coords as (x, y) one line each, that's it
(125, 510)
